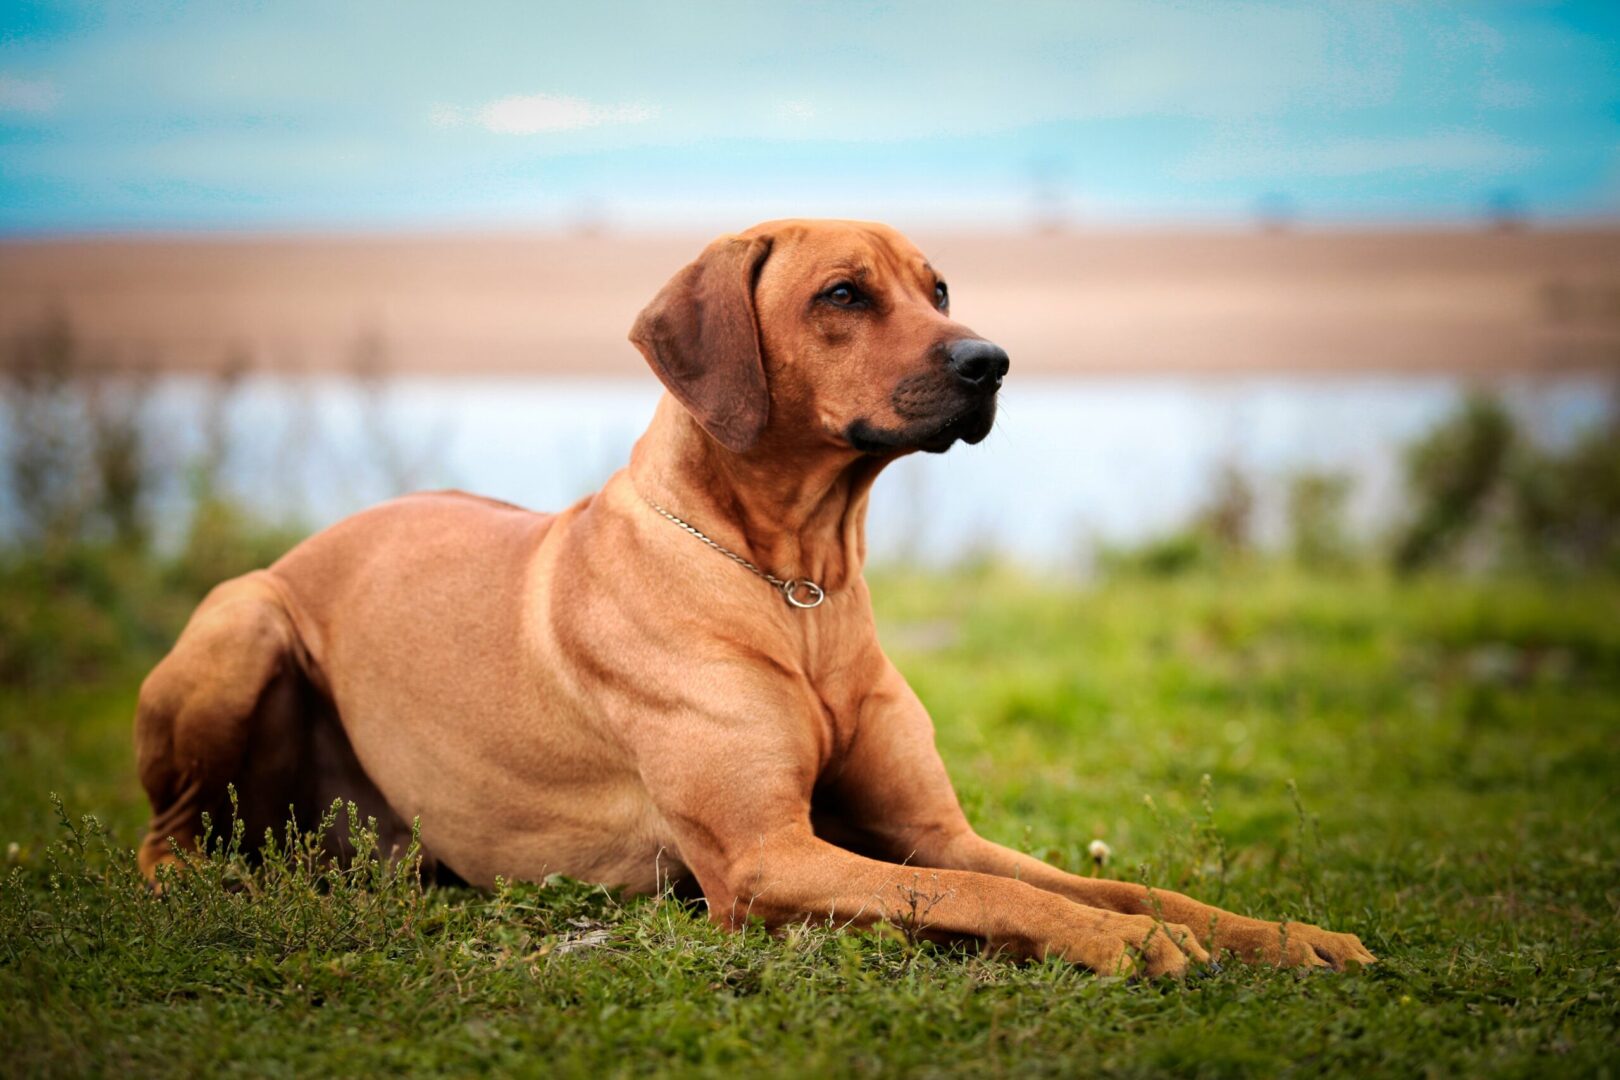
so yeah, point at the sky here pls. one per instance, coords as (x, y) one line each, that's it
(131, 117)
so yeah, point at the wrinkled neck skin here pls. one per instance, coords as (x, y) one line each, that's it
(793, 506)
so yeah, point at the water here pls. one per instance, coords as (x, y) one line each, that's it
(1071, 462)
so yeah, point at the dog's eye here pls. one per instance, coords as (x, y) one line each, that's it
(843, 294)
(942, 296)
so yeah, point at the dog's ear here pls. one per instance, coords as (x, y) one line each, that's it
(701, 336)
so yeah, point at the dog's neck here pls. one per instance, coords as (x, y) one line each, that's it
(793, 511)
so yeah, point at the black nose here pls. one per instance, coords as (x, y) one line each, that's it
(978, 365)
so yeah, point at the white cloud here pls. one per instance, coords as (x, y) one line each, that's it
(540, 114)
(1447, 151)
(33, 97)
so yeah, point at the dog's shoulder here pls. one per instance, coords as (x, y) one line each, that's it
(457, 495)
(449, 516)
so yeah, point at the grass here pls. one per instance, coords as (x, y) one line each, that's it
(1431, 765)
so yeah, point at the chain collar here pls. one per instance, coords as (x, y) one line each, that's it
(799, 592)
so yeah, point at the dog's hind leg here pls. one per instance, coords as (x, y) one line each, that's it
(225, 707)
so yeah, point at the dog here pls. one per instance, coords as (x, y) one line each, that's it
(677, 680)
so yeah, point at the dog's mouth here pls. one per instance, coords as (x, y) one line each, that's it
(969, 424)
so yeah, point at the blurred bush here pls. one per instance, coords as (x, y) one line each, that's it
(224, 541)
(1220, 534)
(1227, 519)
(45, 411)
(1318, 536)
(1566, 507)
(1483, 496)
(1451, 476)
(1480, 496)
(83, 591)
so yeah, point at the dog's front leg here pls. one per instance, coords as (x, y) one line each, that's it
(735, 792)
(789, 876)
(893, 790)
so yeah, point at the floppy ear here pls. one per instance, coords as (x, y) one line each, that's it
(701, 337)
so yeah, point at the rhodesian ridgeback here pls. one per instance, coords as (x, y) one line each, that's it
(678, 678)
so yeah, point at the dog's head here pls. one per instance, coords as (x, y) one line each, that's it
(831, 332)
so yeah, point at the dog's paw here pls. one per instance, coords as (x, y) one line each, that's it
(1137, 945)
(1293, 944)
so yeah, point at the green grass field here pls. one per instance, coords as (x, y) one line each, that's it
(1431, 765)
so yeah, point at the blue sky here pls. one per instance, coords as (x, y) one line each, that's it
(365, 116)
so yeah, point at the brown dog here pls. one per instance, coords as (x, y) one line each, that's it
(597, 693)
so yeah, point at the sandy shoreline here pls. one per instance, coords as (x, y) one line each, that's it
(1081, 303)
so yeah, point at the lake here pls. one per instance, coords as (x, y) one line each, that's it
(1071, 462)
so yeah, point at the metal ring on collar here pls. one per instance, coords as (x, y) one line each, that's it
(814, 595)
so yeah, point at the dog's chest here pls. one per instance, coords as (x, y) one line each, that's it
(840, 691)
